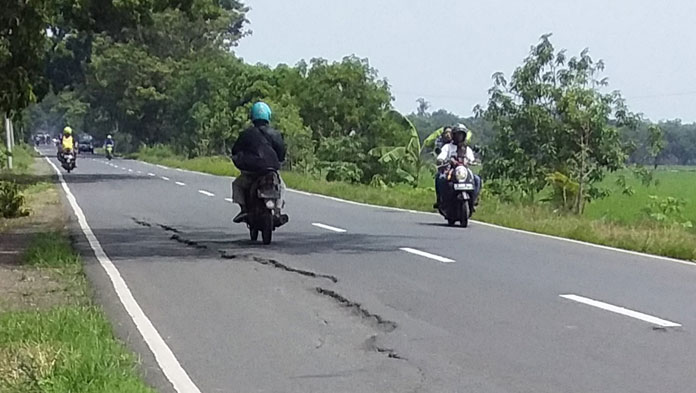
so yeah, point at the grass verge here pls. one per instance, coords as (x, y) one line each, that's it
(53, 338)
(635, 235)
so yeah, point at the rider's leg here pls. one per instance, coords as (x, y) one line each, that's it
(240, 187)
(440, 184)
(477, 188)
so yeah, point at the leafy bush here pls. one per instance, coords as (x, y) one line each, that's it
(564, 190)
(11, 200)
(667, 210)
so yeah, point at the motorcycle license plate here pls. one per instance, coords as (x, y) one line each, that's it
(463, 186)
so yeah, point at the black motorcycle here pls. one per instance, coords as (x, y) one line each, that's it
(457, 199)
(68, 160)
(264, 210)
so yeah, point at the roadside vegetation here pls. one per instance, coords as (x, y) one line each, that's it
(53, 338)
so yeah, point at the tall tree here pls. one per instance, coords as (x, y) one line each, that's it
(553, 116)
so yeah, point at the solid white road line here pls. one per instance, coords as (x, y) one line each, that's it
(621, 310)
(151, 174)
(178, 183)
(164, 178)
(206, 193)
(328, 227)
(161, 166)
(427, 255)
(163, 354)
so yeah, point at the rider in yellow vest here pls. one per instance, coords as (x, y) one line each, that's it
(67, 142)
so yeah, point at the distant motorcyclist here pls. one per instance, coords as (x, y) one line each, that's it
(66, 143)
(258, 150)
(458, 149)
(109, 141)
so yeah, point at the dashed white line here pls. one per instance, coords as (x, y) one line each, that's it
(427, 255)
(621, 310)
(130, 170)
(164, 356)
(151, 174)
(206, 193)
(140, 172)
(164, 178)
(178, 183)
(328, 227)
(229, 200)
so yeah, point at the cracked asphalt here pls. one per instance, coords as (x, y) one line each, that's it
(352, 298)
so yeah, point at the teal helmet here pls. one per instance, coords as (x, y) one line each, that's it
(261, 111)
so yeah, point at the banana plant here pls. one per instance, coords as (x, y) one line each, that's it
(409, 159)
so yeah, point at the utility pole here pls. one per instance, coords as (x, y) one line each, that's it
(9, 133)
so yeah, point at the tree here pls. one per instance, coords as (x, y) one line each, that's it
(553, 117)
(22, 48)
(410, 159)
(656, 141)
(423, 106)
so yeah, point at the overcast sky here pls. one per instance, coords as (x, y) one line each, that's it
(447, 50)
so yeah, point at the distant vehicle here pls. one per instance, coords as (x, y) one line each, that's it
(85, 143)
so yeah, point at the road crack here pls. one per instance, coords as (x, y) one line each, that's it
(375, 320)
(279, 265)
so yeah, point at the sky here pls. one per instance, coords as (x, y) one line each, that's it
(446, 50)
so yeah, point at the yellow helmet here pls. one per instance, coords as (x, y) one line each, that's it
(67, 131)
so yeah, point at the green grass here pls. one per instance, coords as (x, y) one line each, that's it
(675, 181)
(617, 221)
(65, 349)
(50, 249)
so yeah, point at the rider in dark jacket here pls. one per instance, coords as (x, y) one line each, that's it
(258, 150)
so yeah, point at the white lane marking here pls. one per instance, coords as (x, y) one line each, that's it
(140, 172)
(328, 227)
(206, 193)
(427, 255)
(161, 166)
(178, 183)
(229, 200)
(521, 231)
(621, 310)
(164, 178)
(151, 174)
(179, 169)
(163, 354)
(130, 170)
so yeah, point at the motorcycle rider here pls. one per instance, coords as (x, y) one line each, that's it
(258, 149)
(444, 138)
(457, 149)
(66, 143)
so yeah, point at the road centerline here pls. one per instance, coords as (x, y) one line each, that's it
(165, 178)
(328, 227)
(206, 193)
(178, 183)
(621, 310)
(427, 255)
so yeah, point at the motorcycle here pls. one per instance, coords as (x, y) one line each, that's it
(68, 160)
(457, 201)
(109, 151)
(264, 210)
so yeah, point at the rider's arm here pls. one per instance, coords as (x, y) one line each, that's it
(278, 145)
(444, 153)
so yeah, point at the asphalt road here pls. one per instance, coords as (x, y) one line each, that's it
(352, 298)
